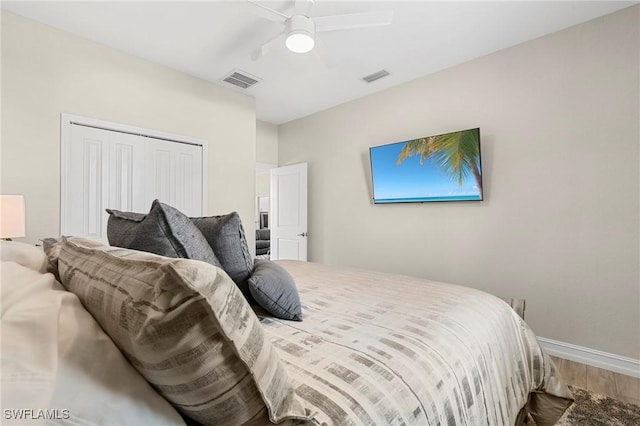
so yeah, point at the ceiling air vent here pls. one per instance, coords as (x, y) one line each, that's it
(241, 79)
(376, 76)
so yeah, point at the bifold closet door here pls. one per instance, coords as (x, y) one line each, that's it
(174, 175)
(103, 169)
(108, 169)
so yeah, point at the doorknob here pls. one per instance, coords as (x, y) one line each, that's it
(304, 234)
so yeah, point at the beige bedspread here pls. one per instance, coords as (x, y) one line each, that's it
(384, 349)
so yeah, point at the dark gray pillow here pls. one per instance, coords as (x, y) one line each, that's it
(164, 230)
(226, 237)
(275, 290)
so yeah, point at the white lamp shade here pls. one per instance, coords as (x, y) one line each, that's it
(12, 217)
(300, 33)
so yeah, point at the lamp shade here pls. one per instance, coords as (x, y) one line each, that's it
(12, 218)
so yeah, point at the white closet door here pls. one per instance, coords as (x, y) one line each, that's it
(174, 175)
(109, 169)
(86, 183)
(126, 173)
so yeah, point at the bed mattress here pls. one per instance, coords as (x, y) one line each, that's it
(384, 349)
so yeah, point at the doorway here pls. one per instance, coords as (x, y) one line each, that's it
(262, 211)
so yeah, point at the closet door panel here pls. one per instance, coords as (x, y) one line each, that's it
(86, 181)
(127, 173)
(175, 175)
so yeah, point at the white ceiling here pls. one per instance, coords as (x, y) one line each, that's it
(209, 39)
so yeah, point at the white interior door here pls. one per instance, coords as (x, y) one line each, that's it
(289, 212)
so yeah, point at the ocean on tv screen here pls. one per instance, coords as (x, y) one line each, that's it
(428, 199)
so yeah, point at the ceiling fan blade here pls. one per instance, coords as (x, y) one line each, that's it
(352, 21)
(269, 46)
(303, 7)
(268, 13)
(321, 50)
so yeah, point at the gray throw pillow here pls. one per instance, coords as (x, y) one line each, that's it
(164, 230)
(226, 237)
(274, 289)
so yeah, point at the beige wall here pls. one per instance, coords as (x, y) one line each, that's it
(46, 72)
(266, 142)
(559, 119)
(263, 185)
(266, 154)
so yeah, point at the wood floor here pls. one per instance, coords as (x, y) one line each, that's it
(604, 382)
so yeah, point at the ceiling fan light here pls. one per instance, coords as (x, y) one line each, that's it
(299, 41)
(300, 34)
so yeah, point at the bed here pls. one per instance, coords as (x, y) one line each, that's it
(435, 353)
(371, 348)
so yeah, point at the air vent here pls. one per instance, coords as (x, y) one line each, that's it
(241, 79)
(376, 76)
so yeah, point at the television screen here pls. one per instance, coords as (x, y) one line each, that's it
(435, 168)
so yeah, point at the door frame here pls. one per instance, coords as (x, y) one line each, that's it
(67, 120)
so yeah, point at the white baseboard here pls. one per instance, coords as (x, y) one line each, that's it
(592, 357)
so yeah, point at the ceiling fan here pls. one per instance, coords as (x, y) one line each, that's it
(300, 30)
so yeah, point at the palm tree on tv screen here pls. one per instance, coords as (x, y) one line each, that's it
(457, 154)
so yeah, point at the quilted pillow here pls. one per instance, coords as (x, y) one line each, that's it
(226, 237)
(164, 230)
(275, 290)
(51, 247)
(185, 326)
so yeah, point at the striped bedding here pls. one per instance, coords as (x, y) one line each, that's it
(385, 349)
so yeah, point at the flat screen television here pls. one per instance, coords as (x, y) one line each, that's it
(443, 167)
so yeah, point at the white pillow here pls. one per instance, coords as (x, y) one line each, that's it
(55, 357)
(27, 255)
